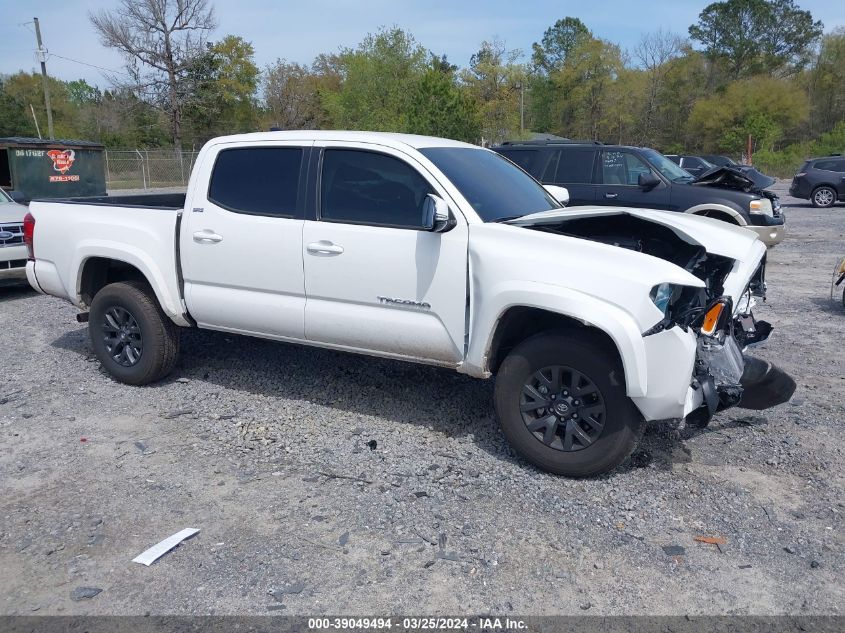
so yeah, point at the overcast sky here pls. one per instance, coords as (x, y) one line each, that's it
(298, 31)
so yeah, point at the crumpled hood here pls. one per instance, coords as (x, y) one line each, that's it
(715, 236)
(735, 178)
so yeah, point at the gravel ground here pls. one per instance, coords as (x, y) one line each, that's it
(331, 483)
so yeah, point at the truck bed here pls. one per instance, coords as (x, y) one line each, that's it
(140, 231)
(139, 201)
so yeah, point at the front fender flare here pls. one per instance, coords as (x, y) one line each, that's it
(701, 209)
(618, 324)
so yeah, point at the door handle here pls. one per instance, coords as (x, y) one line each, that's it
(207, 236)
(611, 196)
(324, 247)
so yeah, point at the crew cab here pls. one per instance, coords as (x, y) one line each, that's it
(624, 176)
(427, 250)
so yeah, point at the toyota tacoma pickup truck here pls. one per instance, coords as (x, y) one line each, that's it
(593, 321)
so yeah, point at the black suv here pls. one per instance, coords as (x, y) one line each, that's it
(821, 181)
(693, 164)
(640, 177)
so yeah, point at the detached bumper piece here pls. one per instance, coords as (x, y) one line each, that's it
(729, 378)
(764, 385)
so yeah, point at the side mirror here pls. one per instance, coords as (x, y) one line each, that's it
(561, 194)
(17, 196)
(437, 217)
(648, 181)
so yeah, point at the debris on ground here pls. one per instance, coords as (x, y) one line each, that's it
(158, 550)
(711, 540)
(674, 550)
(176, 413)
(84, 593)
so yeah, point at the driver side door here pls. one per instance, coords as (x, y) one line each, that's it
(619, 171)
(375, 279)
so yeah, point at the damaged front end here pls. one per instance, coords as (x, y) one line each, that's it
(723, 374)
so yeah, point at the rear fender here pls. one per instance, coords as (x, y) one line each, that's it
(166, 290)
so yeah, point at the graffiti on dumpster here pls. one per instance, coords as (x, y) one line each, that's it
(62, 162)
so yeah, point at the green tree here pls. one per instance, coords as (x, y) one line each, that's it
(557, 44)
(757, 36)
(292, 97)
(15, 118)
(826, 82)
(223, 83)
(377, 80)
(767, 108)
(494, 80)
(577, 96)
(439, 108)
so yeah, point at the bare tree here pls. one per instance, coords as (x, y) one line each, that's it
(159, 39)
(653, 53)
(291, 95)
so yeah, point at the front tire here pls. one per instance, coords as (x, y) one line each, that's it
(563, 407)
(135, 341)
(823, 197)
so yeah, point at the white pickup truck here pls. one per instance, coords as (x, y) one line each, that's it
(427, 250)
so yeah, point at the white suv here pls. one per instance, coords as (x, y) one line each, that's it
(12, 248)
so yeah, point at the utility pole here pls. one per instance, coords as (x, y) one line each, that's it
(42, 57)
(521, 107)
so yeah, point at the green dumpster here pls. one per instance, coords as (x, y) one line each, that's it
(40, 168)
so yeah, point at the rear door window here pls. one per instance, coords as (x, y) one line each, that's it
(831, 165)
(257, 180)
(574, 166)
(525, 158)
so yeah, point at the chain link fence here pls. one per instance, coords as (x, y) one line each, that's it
(148, 169)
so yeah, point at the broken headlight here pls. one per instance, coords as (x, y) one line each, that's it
(661, 295)
(680, 305)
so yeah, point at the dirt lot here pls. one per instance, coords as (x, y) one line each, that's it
(330, 483)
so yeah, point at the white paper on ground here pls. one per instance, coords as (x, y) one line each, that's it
(160, 549)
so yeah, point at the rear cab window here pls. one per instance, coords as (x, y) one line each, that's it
(257, 181)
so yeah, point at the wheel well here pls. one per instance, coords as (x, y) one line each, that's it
(99, 272)
(520, 323)
(718, 215)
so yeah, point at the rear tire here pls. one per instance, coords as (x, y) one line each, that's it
(589, 391)
(823, 197)
(135, 341)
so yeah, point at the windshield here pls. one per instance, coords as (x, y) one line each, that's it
(4, 197)
(666, 167)
(495, 187)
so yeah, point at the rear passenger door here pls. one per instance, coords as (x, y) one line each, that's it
(376, 280)
(241, 242)
(573, 168)
(619, 174)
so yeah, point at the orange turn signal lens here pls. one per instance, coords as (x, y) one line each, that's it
(711, 319)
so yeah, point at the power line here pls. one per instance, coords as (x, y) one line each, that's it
(76, 61)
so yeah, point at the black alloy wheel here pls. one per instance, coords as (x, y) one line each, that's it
(122, 336)
(563, 408)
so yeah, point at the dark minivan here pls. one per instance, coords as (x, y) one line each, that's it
(616, 175)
